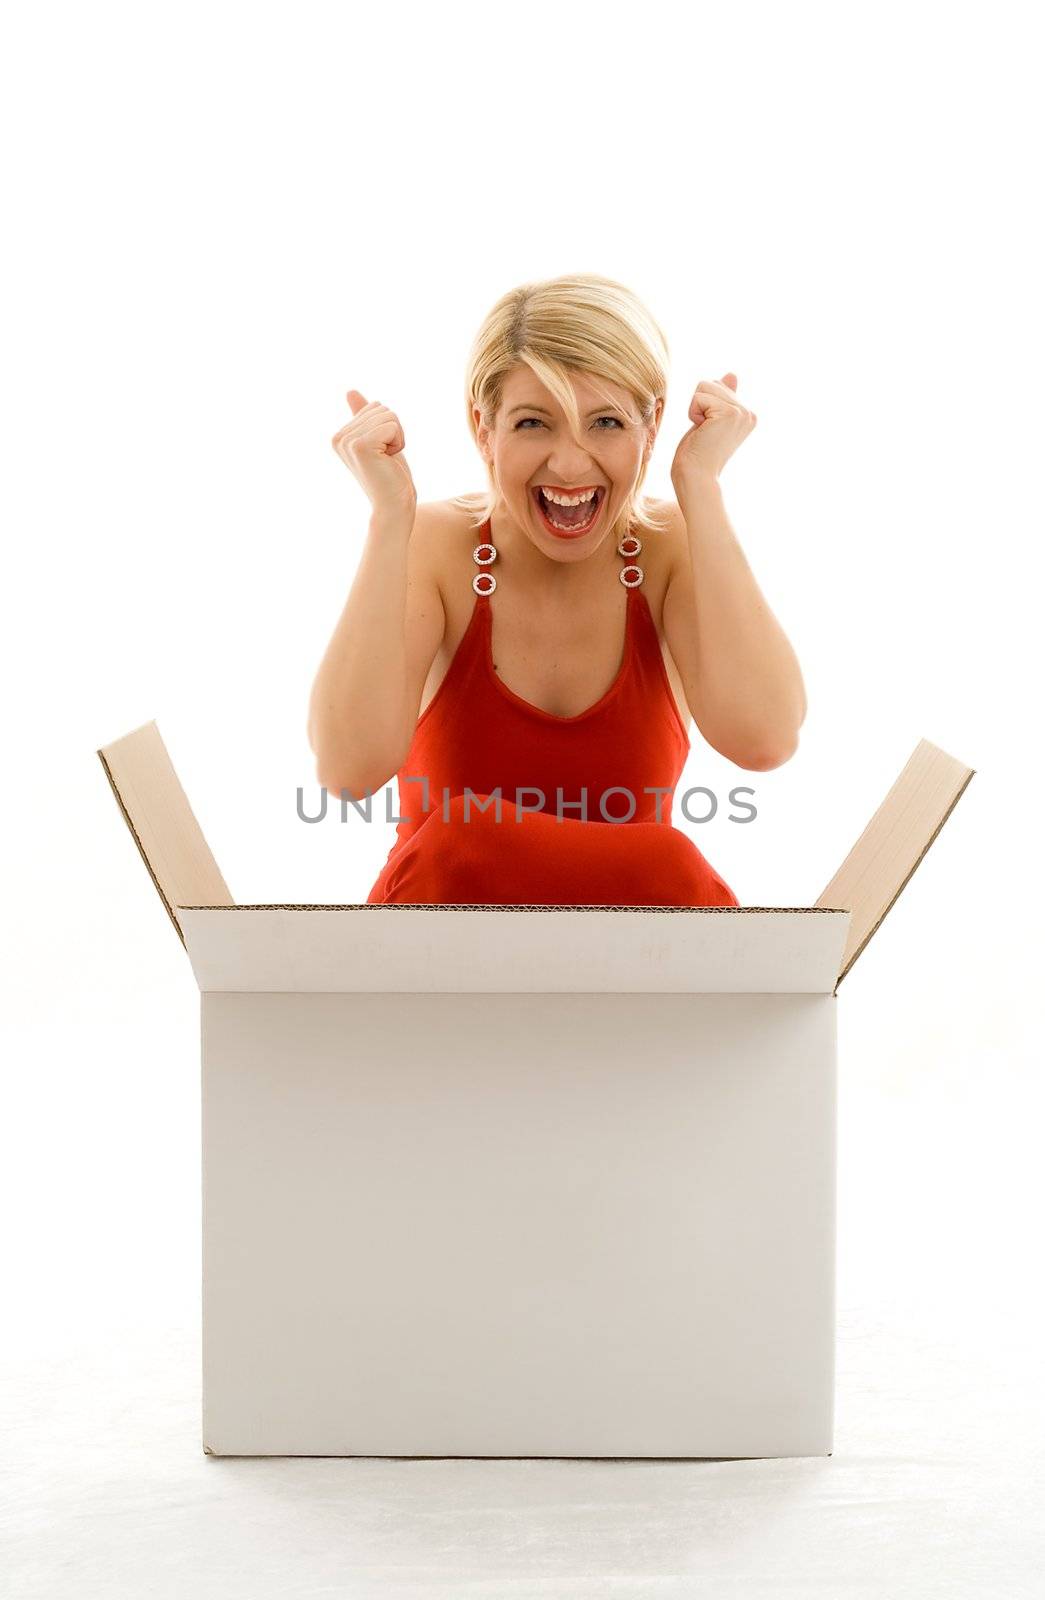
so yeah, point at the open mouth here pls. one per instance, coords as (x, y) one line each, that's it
(568, 522)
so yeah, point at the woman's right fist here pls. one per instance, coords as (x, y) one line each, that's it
(371, 446)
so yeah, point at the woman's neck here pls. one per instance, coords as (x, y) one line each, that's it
(541, 576)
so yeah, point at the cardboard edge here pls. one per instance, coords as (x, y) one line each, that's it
(410, 905)
(170, 840)
(971, 773)
(141, 848)
(917, 863)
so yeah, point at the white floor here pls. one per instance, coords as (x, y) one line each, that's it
(936, 1488)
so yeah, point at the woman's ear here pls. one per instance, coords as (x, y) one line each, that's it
(654, 427)
(482, 436)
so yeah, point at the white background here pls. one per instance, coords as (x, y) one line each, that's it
(221, 218)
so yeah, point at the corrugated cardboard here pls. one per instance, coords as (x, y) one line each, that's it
(519, 1181)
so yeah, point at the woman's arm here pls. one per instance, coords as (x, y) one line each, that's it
(364, 702)
(742, 679)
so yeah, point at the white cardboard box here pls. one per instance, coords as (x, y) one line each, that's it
(519, 1181)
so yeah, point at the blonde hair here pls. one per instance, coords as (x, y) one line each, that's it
(578, 323)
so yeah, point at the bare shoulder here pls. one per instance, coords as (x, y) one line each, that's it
(442, 522)
(445, 534)
(430, 619)
(663, 552)
(675, 535)
(434, 520)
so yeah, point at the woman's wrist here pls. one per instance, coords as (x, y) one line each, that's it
(392, 522)
(698, 480)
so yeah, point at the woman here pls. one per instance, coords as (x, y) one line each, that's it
(479, 656)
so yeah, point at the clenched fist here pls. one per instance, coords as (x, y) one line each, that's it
(371, 446)
(720, 424)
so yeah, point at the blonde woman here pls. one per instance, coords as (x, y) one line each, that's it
(526, 662)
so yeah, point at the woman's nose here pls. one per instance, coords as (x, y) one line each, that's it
(569, 460)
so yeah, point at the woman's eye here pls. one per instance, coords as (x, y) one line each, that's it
(522, 423)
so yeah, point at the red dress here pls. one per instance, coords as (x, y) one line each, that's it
(477, 735)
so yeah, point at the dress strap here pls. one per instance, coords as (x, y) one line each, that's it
(484, 555)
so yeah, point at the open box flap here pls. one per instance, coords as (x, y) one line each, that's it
(508, 949)
(688, 949)
(884, 857)
(157, 811)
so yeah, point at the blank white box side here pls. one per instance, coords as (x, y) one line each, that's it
(584, 1225)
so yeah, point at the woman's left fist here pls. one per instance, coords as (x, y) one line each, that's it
(720, 423)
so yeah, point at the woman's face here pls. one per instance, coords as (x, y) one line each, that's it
(530, 448)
